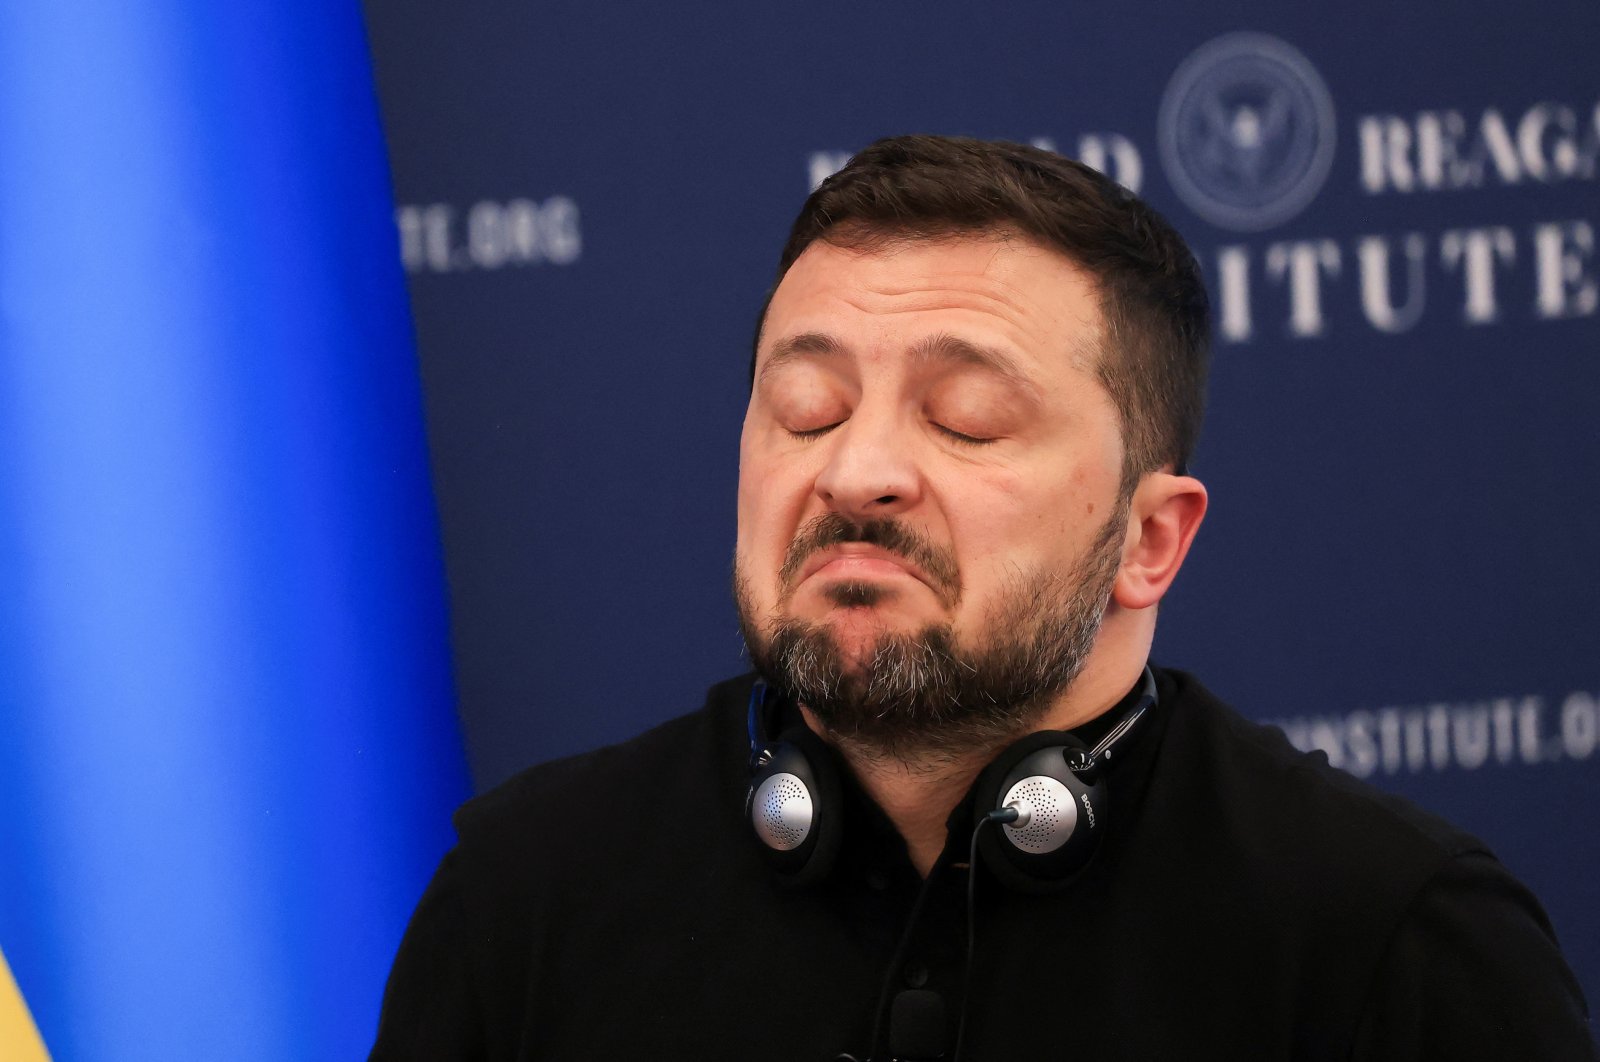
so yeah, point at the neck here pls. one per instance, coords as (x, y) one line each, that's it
(918, 792)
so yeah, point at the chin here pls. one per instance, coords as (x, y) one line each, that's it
(857, 642)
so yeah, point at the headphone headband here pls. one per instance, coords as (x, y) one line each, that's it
(1146, 701)
(760, 752)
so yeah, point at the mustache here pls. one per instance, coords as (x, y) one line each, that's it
(892, 536)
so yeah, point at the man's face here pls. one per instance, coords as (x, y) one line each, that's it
(929, 469)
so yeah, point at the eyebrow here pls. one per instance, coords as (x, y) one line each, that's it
(954, 350)
(942, 347)
(793, 348)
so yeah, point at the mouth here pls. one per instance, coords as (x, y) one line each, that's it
(872, 554)
(859, 561)
(860, 576)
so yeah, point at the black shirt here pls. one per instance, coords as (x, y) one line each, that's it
(1248, 902)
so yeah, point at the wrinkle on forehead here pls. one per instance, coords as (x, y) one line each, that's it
(1001, 285)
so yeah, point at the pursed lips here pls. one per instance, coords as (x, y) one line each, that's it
(860, 558)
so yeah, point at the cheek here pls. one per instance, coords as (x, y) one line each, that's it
(1026, 521)
(989, 525)
(754, 530)
(772, 503)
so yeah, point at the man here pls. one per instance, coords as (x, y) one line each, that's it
(960, 818)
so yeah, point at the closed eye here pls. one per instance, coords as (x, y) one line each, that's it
(812, 433)
(961, 437)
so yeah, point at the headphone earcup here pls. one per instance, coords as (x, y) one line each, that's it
(793, 805)
(1065, 812)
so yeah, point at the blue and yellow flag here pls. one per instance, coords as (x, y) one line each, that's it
(227, 739)
(19, 1040)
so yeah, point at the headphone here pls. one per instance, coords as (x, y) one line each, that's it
(1047, 791)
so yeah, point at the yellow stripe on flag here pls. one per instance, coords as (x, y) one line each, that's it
(19, 1040)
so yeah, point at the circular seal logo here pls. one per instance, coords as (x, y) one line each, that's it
(1246, 131)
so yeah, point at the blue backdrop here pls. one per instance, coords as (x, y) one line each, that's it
(1396, 207)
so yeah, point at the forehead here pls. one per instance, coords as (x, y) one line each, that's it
(999, 291)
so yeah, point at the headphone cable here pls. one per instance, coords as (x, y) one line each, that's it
(999, 815)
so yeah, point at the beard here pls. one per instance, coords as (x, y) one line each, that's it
(925, 697)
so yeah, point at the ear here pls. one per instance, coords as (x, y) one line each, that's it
(1163, 517)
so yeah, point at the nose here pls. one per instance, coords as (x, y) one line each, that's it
(871, 472)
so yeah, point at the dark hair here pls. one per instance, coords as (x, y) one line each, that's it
(1152, 298)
